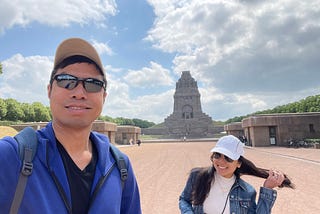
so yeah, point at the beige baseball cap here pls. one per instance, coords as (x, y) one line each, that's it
(77, 46)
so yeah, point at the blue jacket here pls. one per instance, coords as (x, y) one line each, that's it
(242, 198)
(42, 193)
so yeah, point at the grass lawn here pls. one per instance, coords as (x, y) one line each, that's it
(7, 131)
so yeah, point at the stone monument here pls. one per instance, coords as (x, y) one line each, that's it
(187, 119)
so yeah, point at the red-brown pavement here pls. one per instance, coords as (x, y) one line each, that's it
(162, 170)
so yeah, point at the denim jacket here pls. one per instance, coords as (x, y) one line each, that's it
(241, 197)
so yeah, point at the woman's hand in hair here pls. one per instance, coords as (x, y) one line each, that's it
(274, 179)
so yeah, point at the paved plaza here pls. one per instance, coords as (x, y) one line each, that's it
(162, 170)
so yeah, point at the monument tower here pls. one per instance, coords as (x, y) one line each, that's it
(187, 118)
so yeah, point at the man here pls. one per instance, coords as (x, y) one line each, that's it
(73, 170)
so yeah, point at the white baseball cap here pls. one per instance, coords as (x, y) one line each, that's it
(229, 146)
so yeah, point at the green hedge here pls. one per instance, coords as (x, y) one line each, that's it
(8, 123)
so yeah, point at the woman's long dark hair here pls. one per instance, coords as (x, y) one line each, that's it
(205, 176)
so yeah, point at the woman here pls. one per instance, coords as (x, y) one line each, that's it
(219, 188)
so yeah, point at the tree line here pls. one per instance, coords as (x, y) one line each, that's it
(309, 104)
(12, 111)
(126, 121)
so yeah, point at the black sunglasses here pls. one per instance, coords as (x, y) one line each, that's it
(217, 155)
(69, 82)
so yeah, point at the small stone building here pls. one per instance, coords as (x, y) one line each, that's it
(234, 129)
(127, 135)
(277, 129)
(106, 128)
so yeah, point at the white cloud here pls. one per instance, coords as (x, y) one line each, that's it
(241, 41)
(102, 48)
(252, 54)
(152, 76)
(54, 12)
(26, 78)
(245, 55)
(148, 107)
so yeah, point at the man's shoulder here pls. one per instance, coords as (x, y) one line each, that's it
(8, 144)
(9, 156)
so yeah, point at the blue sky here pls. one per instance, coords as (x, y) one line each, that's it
(245, 55)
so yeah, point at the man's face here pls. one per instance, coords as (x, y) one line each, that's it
(76, 108)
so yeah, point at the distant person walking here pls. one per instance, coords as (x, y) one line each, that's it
(219, 188)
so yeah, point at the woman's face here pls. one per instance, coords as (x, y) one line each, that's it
(223, 167)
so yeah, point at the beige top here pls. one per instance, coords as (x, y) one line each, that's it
(218, 194)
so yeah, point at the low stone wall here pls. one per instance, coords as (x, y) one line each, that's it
(106, 128)
(163, 131)
(35, 126)
(154, 131)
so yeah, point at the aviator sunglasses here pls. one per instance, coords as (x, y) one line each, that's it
(217, 155)
(69, 82)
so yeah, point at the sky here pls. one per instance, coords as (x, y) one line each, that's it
(246, 55)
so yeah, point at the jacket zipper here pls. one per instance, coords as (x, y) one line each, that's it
(99, 185)
(60, 189)
(61, 192)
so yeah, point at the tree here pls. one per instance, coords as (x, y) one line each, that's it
(106, 118)
(142, 123)
(0, 68)
(41, 112)
(3, 109)
(14, 110)
(124, 121)
(29, 114)
(309, 104)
